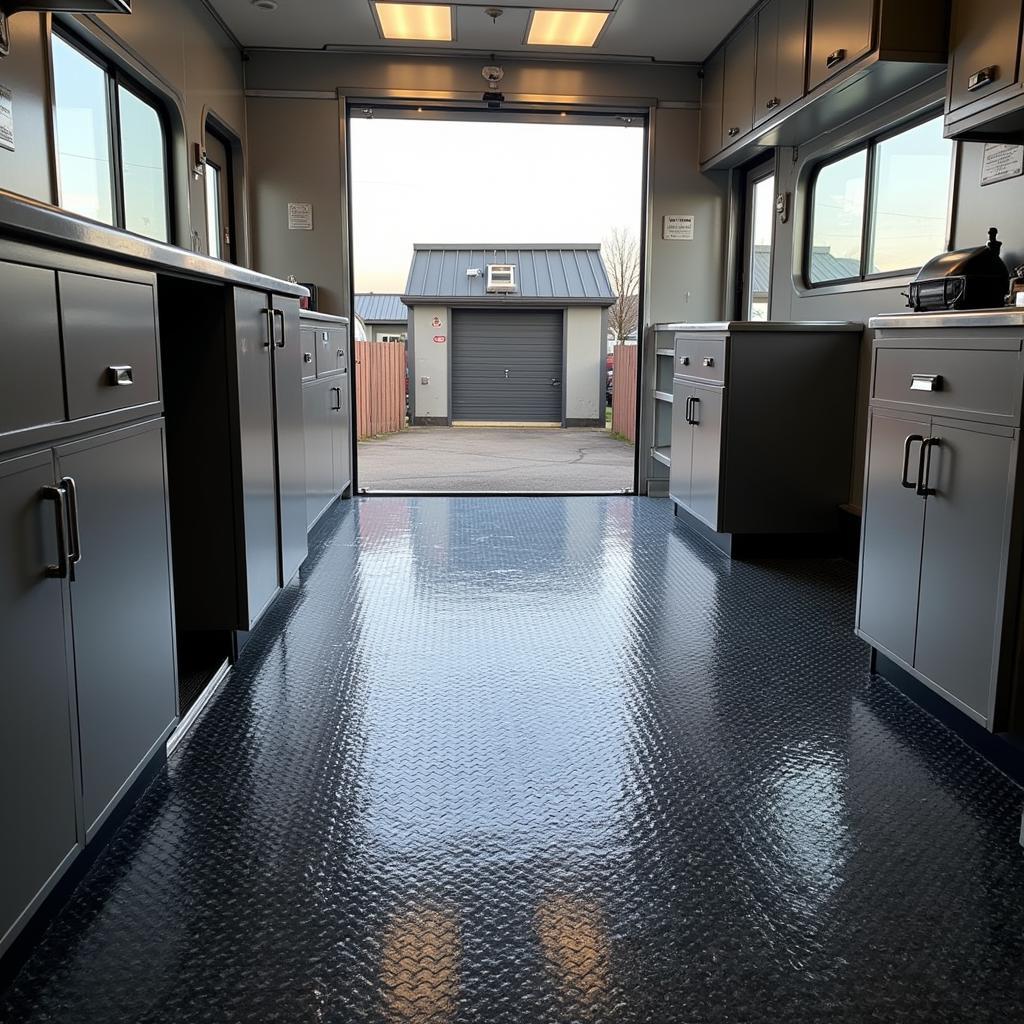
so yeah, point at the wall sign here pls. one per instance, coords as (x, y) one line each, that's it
(439, 339)
(1001, 162)
(6, 119)
(300, 216)
(436, 323)
(678, 227)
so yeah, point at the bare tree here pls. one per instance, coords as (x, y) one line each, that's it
(621, 252)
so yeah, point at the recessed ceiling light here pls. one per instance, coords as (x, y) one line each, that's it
(424, 22)
(265, 5)
(566, 28)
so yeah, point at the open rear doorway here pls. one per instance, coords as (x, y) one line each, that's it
(497, 268)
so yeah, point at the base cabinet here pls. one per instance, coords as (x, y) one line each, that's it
(88, 689)
(328, 443)
(939, 588)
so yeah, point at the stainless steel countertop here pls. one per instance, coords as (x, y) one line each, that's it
(26, 220)
(1009, 316)
(323, 318)
(767, 326)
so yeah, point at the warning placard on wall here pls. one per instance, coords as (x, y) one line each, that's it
(300, 216)
(678, 227)
(6, 118)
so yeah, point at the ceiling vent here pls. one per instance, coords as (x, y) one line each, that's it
(501, 278)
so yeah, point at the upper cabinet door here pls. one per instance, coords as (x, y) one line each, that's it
(711, 106)
(766, 97)
(984, 44)
(842, 31)
(781, 56)
(738, 94)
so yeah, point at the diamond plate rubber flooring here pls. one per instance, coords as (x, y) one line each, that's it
(539, 760)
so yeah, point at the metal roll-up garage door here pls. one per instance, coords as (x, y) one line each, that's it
(507, 365)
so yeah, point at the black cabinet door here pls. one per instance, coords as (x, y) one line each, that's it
(121, 605)
(342, 429)
(711, 92)
(738, 95)
(842, 31)
(253, 367)
(791, 62)
(291, 448)
(318, 398)
(37, 757)
(984, 48)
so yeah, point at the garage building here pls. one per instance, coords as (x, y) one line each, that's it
(384, 315)
(508, 334)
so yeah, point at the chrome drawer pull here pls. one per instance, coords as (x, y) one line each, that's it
(834, 58)
(986, 76)
(926, 382)
(733, 132)
(906, 462)
(120, 376)
(307, 357)
(709, 361)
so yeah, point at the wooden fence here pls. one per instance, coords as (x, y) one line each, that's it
(624, 391)
(380, 388)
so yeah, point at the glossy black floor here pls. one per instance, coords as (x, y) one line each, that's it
(551, 760)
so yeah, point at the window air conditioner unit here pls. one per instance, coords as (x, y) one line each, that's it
(501, 278)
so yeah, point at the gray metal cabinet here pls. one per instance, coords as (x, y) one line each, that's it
(255, 396)
(31, 383)
(842, 31)
(738, 92)
(984, 49)
(743, 396)
(341, 410)
(711, 95)
(318, 404)
(290, 440)
(121, 606)
(37, 733)
(781, 56)
(893, 528)
(940, 573)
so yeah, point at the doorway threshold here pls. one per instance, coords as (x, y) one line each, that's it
(620, 493)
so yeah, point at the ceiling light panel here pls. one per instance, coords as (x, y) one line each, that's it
(566, 28)
(419, 22)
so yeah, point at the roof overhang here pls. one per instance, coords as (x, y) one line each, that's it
(505, 301)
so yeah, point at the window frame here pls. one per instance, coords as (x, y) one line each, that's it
(869, 146)
(117, 78)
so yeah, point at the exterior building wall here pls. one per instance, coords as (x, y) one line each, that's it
(379, 331)
(430, 360)
(584, 366)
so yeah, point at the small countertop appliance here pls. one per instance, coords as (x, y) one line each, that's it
(974, 278)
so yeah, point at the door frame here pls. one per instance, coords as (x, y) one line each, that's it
(749, 178)
(522, 108)
(233, 175)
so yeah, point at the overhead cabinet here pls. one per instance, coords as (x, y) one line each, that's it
(939, 577)
(762, 427)
(803, 68)
(985, 98)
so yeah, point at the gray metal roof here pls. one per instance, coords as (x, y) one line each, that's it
(373, 308)
(573, 274)
(824, 267)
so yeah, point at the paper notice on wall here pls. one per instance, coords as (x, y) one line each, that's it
(6, 118)
(300, 216)
(678, 227)
(1000, 162)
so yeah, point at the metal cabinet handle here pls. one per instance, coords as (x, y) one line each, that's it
(709, 361)
(268, 315)
(307, 357)
(834, 58)
(686, 411)
(693, 414)
(906, 461)
(773, 103)
(120, 376)
(733, 132)
(280, 313)
(57, 495)
(684, 360)
(71, 488)
(982, 77)
(924, 466)
(336, 408)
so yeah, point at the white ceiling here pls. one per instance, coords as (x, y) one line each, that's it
(668, 30)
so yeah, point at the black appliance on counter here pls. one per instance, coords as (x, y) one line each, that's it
(974, 278)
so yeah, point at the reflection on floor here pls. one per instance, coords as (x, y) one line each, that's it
(551, 760)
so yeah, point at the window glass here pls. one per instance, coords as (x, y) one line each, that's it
(85, 168)
(144, 166)
(761, 222)
(911, 194)
(838, 219)
(213, 211)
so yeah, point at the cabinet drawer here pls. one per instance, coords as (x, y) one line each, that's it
(309, 343)
(331, 350)
(110, 346)
(31, 389)
(973, 381)
(700, 357)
